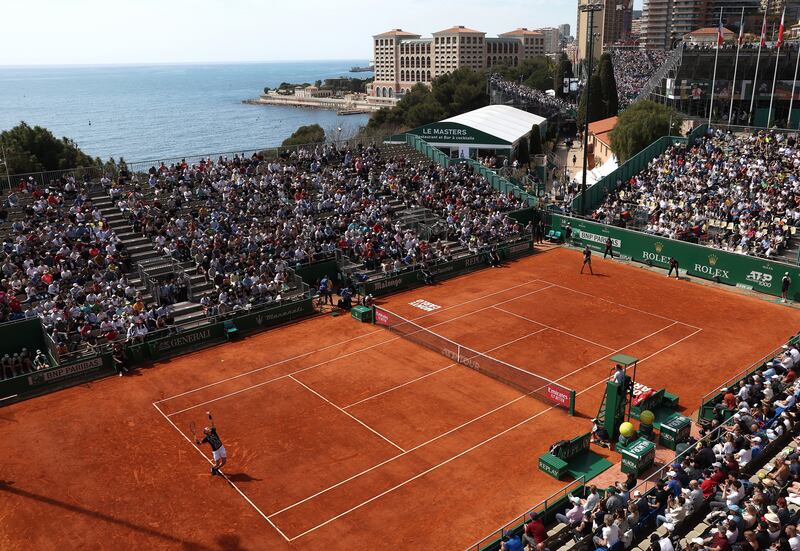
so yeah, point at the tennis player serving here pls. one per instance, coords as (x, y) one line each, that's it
(212, 439)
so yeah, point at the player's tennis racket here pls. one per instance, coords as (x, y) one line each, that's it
(193, 430)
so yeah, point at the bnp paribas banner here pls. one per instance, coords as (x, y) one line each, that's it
(743, 271)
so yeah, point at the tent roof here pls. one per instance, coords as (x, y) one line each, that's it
(501, 121)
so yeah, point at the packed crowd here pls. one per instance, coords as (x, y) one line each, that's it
(63, 263)
(245, 221)
(713, 478)
(474, 214)
(633, 67)
(542, 103)
(734, 192)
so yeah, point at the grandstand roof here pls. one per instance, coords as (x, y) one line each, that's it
(501, 121)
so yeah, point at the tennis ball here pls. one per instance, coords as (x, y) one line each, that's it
(626, 429)
(762, 474)
(646, 417)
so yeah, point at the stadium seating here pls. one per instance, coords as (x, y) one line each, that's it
(728, 191)
(174, 244)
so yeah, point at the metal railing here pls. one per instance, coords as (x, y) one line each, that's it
(671, 64)
(492, 539)
(750, 370)
(153, 271)
(95, 173)
(652, 481)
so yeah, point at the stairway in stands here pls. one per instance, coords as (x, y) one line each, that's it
(141, 249)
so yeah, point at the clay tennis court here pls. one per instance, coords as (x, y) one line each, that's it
(340, 435)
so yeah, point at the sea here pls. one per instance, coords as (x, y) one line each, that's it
(154, 112)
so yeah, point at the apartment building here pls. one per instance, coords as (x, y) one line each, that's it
(404, 59)
(612, 25)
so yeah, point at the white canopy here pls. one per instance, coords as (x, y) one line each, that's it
(506, 123)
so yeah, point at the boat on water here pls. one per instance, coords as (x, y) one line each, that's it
(368, 69)
(352, 111)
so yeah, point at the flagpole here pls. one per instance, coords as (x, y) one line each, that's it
(775, 75)
(755, 76)
(794, 83)
(736, 64)
(716, 57)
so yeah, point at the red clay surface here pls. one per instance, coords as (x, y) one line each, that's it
(342, 436)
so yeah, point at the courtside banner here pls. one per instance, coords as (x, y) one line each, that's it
(381, 317)
(559, 395)
(748, 272)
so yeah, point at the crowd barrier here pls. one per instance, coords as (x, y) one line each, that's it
(44, 380)
(743, 271)
(398, 281)
(95, 367)
(436, 155)
(595, 194)
(707, 404)
(547, 509)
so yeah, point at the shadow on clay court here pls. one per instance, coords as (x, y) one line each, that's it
(241, 477)
(7, 486)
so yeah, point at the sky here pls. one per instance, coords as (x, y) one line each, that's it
(85, 32)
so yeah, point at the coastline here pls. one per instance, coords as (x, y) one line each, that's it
(350, 104)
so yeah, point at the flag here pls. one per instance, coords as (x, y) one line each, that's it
(779, 43)
(740, 40)
(720, 38)
(764, 31)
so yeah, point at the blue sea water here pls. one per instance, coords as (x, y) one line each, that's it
(144, 112)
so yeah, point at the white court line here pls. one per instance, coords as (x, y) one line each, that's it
(553, 328)
(350, 415)
(478, 310)
(235, 487)
(304, 354)
(517, 399)
(256, 385)
(434, 467)
(267, 366)
(288, 375)
(438, 370)
(622, 305)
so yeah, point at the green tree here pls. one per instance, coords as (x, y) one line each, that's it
(597, 108)
(451, 94)
(536, 140)
(36, 149)
(523, 151)
(313, 133)
(608, 84)
(640, 125)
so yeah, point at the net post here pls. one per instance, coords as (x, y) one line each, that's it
(572, 403)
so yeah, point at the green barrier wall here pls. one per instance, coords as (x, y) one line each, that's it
(28, 333)
(596, 193)
(312, 273)
(743, 271)
(94, 367)
(91, 367)
(207, 335)
(414, 278)
(497, 182)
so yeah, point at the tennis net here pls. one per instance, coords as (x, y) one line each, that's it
(524, 381)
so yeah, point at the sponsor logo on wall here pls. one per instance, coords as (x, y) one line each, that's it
(65, 371)
(597, 238)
